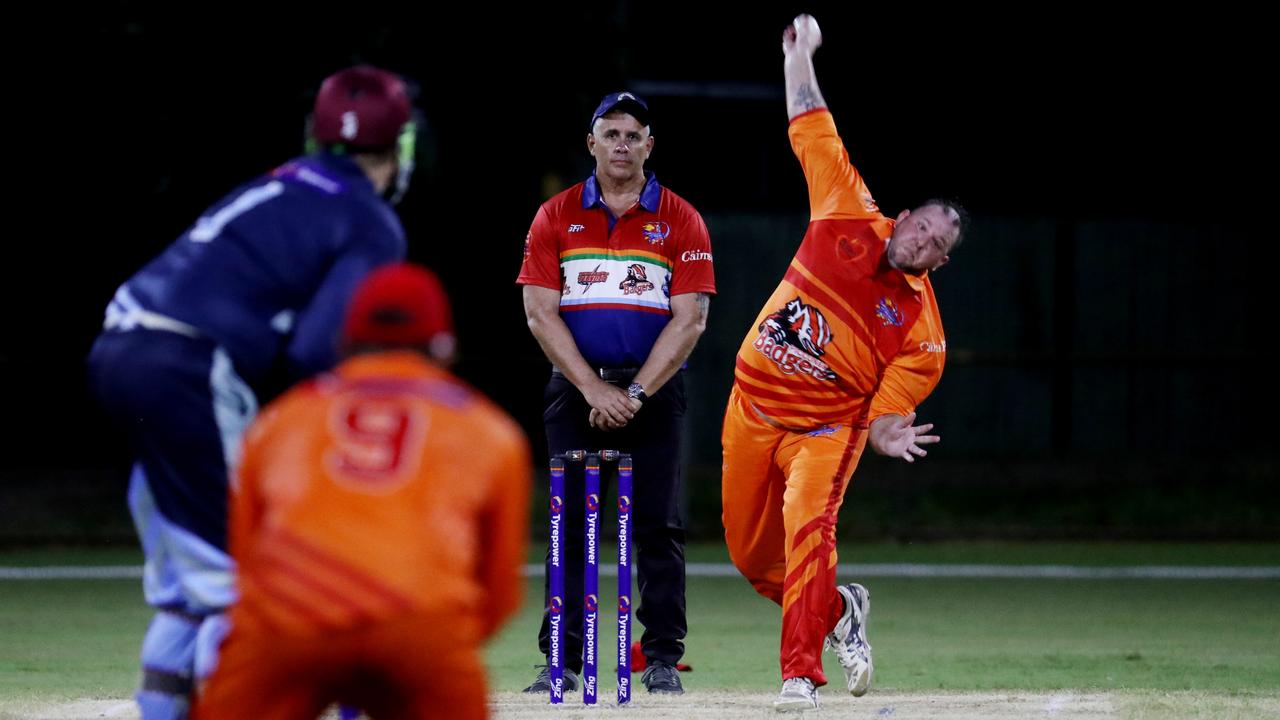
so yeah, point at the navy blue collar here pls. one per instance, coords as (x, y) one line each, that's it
(342, 168)
(650, 196)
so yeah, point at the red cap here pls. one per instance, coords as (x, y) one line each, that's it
(401, 305)
(362, 107)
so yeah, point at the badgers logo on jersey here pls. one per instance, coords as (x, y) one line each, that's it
(799, 324)
(794, 338)
(636, 282)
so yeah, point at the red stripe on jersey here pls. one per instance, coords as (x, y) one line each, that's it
(614, 306)
(798, 383)
(294, 586)
(281, 602)
(779, 413)
(750, 377)
(346, 572)
(756, 392)
(827, 303)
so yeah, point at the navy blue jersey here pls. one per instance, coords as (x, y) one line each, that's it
(267, 271)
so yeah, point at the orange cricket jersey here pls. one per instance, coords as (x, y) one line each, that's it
(383, 489)
(845, 337)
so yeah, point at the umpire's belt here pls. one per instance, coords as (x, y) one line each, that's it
(610, 375)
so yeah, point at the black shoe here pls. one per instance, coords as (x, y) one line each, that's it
(542, 683)
(661, 677)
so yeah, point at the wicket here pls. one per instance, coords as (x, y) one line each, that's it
(591, 573)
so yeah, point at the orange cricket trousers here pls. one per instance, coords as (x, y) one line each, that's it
(414, 667)
(781, 492)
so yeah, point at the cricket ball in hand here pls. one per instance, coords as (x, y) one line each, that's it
(807, 23)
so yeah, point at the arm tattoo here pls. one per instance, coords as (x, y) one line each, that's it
(806, 98)
(704, 305)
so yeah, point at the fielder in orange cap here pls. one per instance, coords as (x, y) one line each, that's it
(379, 520)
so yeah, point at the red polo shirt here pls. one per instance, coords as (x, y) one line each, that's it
(616, 276)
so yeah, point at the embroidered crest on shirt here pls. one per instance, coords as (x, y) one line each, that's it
(655, 231)
(888, 312)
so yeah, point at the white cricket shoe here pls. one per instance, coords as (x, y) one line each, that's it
(849, 638)
(798, 693)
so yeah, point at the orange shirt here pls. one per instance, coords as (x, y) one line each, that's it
(384, 489)
(845, 337)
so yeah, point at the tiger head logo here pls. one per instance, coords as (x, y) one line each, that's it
(799, 325)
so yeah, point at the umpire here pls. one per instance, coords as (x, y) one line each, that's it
(617, 280)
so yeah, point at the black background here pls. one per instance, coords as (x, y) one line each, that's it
(132, 120)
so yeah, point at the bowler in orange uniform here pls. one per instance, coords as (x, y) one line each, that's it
(379, 522)
(839, 357)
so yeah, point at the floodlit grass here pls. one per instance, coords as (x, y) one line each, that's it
(1214, 641)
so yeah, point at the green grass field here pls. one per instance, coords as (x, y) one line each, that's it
(75, 639)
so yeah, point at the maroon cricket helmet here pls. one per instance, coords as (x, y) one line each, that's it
(361, 107)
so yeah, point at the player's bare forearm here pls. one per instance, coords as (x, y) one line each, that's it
(803, 94)
(677, 340)
(542, 311)
(799, 41)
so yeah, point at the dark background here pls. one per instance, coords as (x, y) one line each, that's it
(1108, 372)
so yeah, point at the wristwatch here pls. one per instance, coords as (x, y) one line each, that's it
(636, 390)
